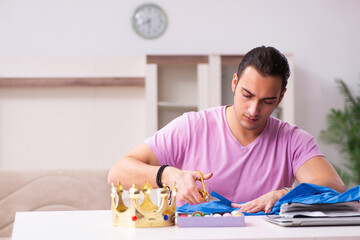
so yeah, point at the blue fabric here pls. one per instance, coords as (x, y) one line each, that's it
(304, 193)
(310, 194)
(224, 205)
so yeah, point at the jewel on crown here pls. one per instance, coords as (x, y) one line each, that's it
(147, 214)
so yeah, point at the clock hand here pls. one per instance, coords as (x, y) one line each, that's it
(140, 23)
(148, 21)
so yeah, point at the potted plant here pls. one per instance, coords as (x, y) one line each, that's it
(343, 130)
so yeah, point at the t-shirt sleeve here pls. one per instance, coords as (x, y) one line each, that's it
(303, 147)
(169, 143)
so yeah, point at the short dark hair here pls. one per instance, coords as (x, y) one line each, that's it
(268, 61)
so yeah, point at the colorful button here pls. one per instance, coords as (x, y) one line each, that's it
(198, 214)
(235, 212)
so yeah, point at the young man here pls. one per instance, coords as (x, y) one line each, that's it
(245, 154)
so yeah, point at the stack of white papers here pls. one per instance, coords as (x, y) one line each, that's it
(345, 209)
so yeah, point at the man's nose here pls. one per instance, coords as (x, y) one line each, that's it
(254, 108)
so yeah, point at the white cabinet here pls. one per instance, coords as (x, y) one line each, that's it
(176, 84)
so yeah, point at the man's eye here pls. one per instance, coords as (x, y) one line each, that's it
(247, 96)
(269, 102)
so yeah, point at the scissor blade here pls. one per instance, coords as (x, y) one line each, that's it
(213, 199)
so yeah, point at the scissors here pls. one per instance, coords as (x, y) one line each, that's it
(203, 192)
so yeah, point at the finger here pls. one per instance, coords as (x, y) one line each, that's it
(244, 208)
(268, 208)
(192, 199)
(207, 176)
(237, 205)
(253, 209)
(189, 199)
(185, 194)
(193, 196)
(196, 199)
(248, 206)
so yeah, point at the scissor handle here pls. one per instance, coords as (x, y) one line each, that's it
(203, 191)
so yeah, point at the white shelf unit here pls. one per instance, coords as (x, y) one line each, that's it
(229, 66)
(174, 84)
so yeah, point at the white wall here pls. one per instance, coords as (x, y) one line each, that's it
(322, 35)
(70, 127)
(76, 127)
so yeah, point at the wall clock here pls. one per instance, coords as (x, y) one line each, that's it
(149, 21)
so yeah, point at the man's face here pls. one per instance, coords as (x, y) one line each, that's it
(255, 98)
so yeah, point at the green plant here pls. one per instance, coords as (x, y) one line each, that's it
(343, 130)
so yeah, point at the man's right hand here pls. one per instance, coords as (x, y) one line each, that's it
(185, 182)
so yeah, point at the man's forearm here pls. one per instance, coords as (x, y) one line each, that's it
(130, 171)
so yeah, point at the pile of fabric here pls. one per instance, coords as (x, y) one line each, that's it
(304, 193)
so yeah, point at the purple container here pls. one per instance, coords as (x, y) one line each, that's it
(211, 221)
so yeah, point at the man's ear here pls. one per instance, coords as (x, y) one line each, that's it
(234, 82)
(282, 96)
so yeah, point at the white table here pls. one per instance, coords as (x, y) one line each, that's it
(90, 225)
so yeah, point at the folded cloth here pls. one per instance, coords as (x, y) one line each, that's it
(222, 206)
(305, 193)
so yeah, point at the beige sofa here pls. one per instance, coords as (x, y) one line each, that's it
(50, 190)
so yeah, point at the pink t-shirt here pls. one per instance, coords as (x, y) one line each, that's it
(203, 141)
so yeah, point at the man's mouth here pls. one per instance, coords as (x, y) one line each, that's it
(250, 119)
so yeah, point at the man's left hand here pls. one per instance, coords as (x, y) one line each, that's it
(264, 203)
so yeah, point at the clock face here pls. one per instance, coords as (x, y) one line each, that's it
(149, 21)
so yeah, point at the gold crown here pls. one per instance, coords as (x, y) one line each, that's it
(145, 215)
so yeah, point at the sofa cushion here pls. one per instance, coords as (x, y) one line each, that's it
(50, 190)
